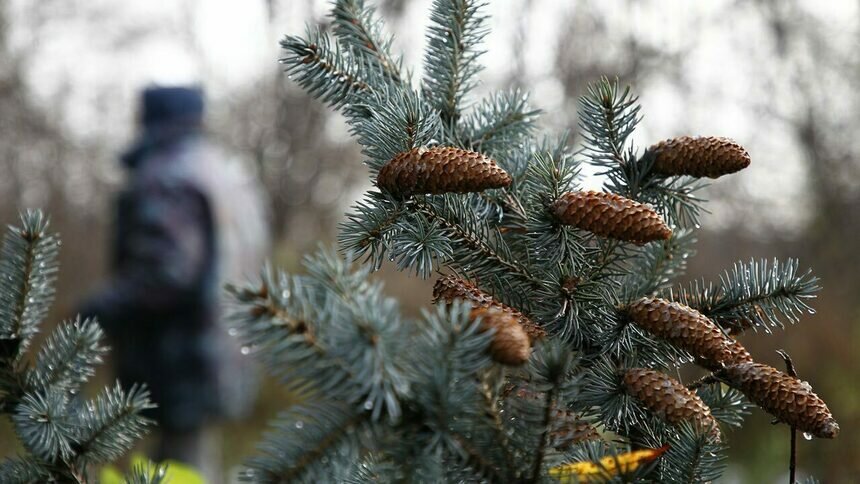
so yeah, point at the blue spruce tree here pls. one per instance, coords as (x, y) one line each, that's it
(557, 320)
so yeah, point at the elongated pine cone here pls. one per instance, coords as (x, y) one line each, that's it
(669, 399)
(510, 345)
(688, 329)
(705, 156)
(789, 399)
(440, 170)
(450, 287)
(610, 215)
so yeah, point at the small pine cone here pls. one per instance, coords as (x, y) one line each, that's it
(569, 429)
(451, 287)
(705, 156)
(440, 170)
(689, 330)
(610, 215)
(669, 399)
(789, 399)
(510, 345)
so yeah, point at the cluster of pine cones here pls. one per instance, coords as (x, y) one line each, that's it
(786, 397)
(452, 170)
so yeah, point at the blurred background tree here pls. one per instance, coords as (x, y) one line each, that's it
(779, 76)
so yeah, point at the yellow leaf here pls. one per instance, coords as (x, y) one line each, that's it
(110, 475)
(607, 467)
(177, 472)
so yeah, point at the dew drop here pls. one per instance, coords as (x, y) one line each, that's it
(368, 405)
(300, 424)
(232, 331)
(807, 436)
(245, 350)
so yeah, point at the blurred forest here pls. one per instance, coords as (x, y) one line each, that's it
(781, 77)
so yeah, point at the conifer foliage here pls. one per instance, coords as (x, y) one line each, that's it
(64, 437)
(557, 319)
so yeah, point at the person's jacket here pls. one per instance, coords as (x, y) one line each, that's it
(159, 307)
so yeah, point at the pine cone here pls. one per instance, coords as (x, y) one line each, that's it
(610, 215)
(706, 156)
(788, 398)
(569, 429)
(451, 287)
(669, 399)
(440, 170)
(689, 330)
(510, 345)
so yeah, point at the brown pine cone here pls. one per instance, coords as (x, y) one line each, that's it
(610, 215)
(688, 329)
(440, 170)
(510, 345)
(705, 156)
(669, 399)
(569, 429)
(450, 287)
(789, 399)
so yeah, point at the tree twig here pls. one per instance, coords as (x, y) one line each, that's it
(792, 463)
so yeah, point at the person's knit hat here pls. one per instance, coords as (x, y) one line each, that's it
(164, 105)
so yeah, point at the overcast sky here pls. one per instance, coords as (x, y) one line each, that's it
(93, 56)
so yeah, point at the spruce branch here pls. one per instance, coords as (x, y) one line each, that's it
(401, 121)
(367, 335)
(28, 263)
(277, 320)
(609, 115)
(111, 424)
(491, 401)
(479, 249)
(67, 359)
(324, 69)
(23, 470)
(370, 228)
(453, 350)
(693, 457)
(482, 465)
(330, 333)
(421, 245)
(500, 124)
(358, 29)
(603, 395)
(657, 265)
(373, 467)
(61, 436)
(554, 372)
(306, 444)
(47, 430)
(756, 294)
(456, 28)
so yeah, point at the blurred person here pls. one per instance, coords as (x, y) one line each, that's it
(187, 220)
